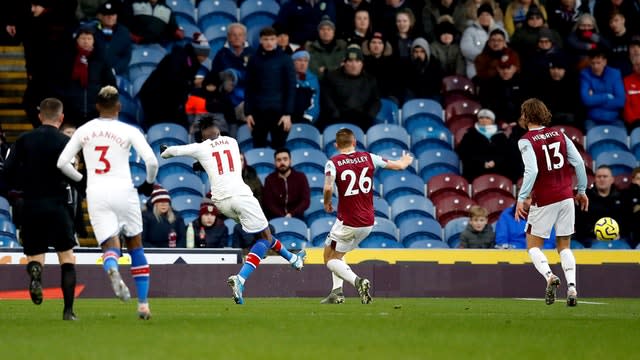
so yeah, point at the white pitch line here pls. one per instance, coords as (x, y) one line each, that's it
(579, 301)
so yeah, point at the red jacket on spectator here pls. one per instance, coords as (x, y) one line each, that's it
(632, 98)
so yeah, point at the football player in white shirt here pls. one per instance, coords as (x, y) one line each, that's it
(220, 158)
(114, 206)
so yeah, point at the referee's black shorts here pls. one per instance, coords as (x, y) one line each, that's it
(46, 222)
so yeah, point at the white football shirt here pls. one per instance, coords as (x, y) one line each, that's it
(105, 145)
(221, 160)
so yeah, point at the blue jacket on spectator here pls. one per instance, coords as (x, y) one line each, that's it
(271, 82)
(226, 59)
(510, 233)
(602, 95)
(311, 82)
(117, 47)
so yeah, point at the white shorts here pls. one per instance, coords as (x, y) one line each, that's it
(114, 210)
(245, 210)
(346, 238)
(541, 219)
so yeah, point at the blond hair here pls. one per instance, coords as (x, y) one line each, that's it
(478, 211)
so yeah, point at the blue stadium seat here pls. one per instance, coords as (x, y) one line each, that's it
(419, 228)
(431, 137)
(395, 153)
(7, 228)
(316, 209)
(251, 8)
(444, 184)
(216, 12)
(308, 160)
(175, 165)
(453, 229)
(438, 161)
(138, 82)
(166, 133)
(183, 9)
(377, 242)
(319, 230)
(606, 138)
(381, 207)
(634, 142)
(411, 206)
(125, 87)
(396, 186)
(5, 207)
(388, 113)
(419, 113)
(217, 36)
(244, 138)
(383, 229)
(384, 136)
(428, 244)
(304, 136)
(129, 110)
(575, 244)
(188, 28)
(183, 184)
(8, 242)
(329, 136)
(261, 159)
(610, 245)
(138, 173)
(145, 56)
(316, 183)
(620, 162)
(187, 205)
(381, 175)
(291, 232)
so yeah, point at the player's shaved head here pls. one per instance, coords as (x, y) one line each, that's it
(50, 109)
(534, 111)
(108, 100)
(345, 138)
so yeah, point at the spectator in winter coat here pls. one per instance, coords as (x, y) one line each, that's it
(114, 38)
(209, 230)
(446, 49)
(475, 37)
(525, 39)
(495, 49)
(632, 87)
(562, 16)
(584, 38)
(346, 11)
(422, 73)
(558, 88)
(307, 105)
(505, 92)
(479, 233)
(619, 39)
(466, 13)
(361, 29)
(162, 226)
(601, 90)
(327, 52)
(432, 12)
(516, 14)
(379, 63)
(300, 18)
(286, 191)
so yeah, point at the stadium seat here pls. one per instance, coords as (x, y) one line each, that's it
(381, 207)
(5, 208)
(129, 110)
(461, 107)
(620, 162)
(444, 184)
(574, 134)
(428, 244)
(125, 87)
(183, 184)
(166, 133)
(216, 12)
(575, 244)
(316, 183)
(319, 230)
(244, 138)
(495, 203)
(453, 229)
(262, 159)
(187, 205)
(188, 28)
(463, 121)
(250, 8)
(291, 232)
(452, 206)
(457, 84)
(419, 228)
(138, 173)
(316, 209)
(145, 56)
(304, 136)
(431, 137)
(7, 228)
(606, 138)
(384, 136)
(138, 81)
(396, 186)
(418, 113)
(329, 136)
(183, 9)
(383, 234)
(388, 113)
(377, 242)
(411, 206)
(610, 245)
(308, 160)
(438, 161)
(175, 165)
(634, 142)
(490, 183)
(395, 154)
(622, 181)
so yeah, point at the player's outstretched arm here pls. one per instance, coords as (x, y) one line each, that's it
(401, 163)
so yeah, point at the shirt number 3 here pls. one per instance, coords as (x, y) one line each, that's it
(107, 165)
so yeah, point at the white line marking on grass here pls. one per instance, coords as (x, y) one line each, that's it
(579, 301)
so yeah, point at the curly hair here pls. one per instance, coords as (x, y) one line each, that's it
(534, 111)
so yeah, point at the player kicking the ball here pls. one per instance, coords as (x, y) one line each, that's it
(220, 158)
(547, 154)
(352, 173)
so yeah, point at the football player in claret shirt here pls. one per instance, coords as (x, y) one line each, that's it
(352, 173)
(548, 155)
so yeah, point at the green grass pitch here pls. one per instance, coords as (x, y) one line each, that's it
(301, 328)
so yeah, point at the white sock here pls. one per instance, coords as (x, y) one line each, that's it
(337, 281)
(242, 280)
(343, 270)
(568, 265)
(540, 262)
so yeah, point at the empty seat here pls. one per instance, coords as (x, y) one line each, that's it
(329, 136)
(444, 184)
(8, 242)
(319, 230)
(438, 161)
(428, 244)
(419, 228)
(457, 84)
(316, 209)
(183, 9)
(145, 56)
(395, 154)
(216, 13)
(4, 206)
(262, 159)
(304, 136)
(410, 206)
(138, 173)
(574, 134)
(316, 183)
(384, 136)
(634, 142)
(495, 203)
(388, 113)
(183, 184)
(610, 245)
(453, 229)
(383, 232)
(620, 162)
(490, 183)
(257, 14)
(381, 207)
(622, 181)
(8, 229)
(377, 242)
(461, 107)
(167, 133)
(431, 137)
(187, 205)
(606, 138)
(175, 165)
(308, 160)
(452, 206)
(419, 113)
(291, 232)
(396, 186)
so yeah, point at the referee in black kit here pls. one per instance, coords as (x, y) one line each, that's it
(46, 213)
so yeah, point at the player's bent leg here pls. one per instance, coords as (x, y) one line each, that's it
(34, 269)
(336, 296)
(110, 256)
(252, 261)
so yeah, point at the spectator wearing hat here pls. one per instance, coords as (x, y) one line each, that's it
(535, 63)
(562, 16)
(446, 48)
(361, 30)
(515, 16)
(379, 63)
(421, 74)
(348, 94)
(525, 38)
(505, 92)
(466, 13)
(619, 39)
(601, 91)
(484, 148)
(209, 230)
(151, 21)
(86, 71)
(486, 63)
(431, 14)
(631, 113)
(584, 38)
(307, 104)
(558, 88)
(162, 227)
(270, 94)
(346, 11)
(300, 18)
(327, 52)
(113, 37)
(475, 37)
